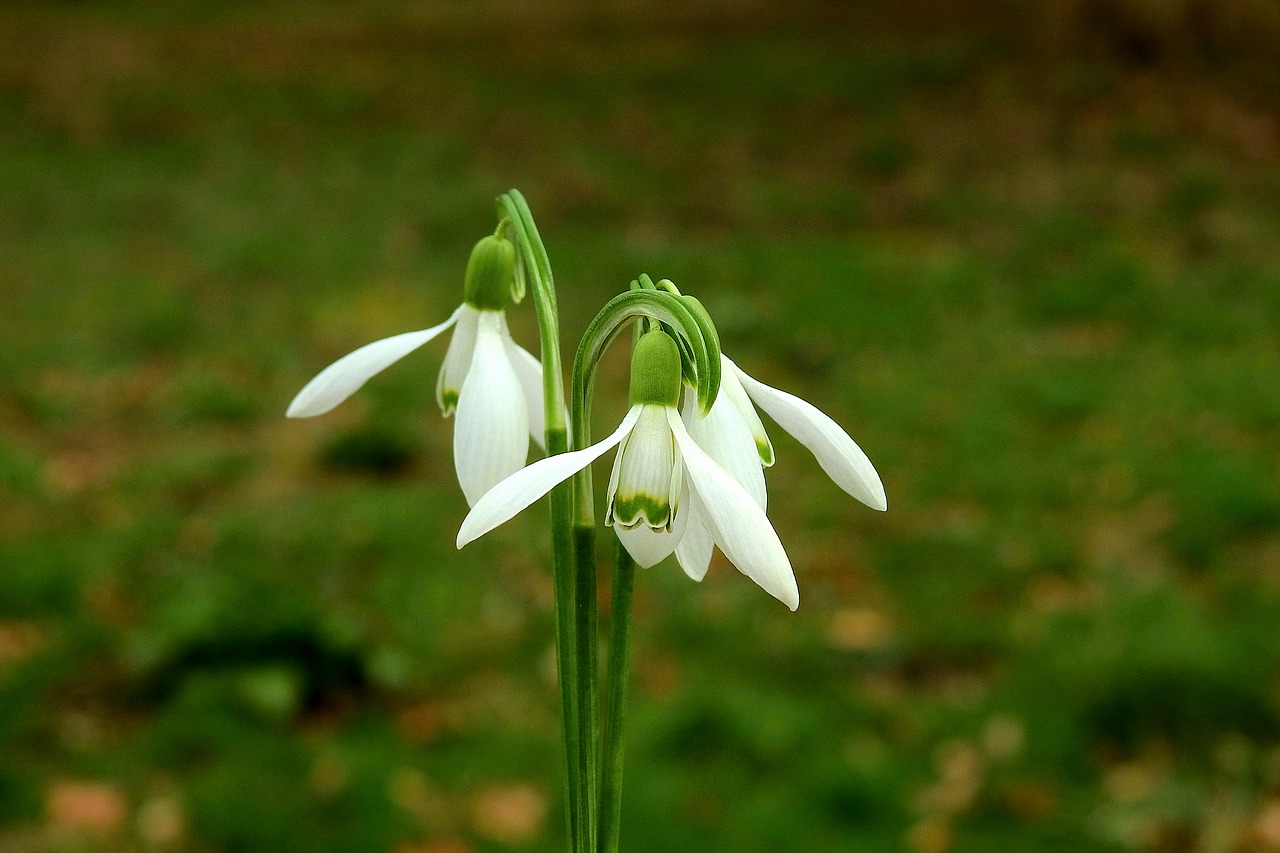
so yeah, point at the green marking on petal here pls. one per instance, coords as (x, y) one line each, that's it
(630, 510)
(765, 449)
(448, 401)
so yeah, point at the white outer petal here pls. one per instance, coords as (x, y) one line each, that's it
(837, 453)
(491, 430)
(344, 377)
(735, 522)
(528, 484)
(616, 468)
(529, 371)
(732, 391)
(727, 438)
(696, 545)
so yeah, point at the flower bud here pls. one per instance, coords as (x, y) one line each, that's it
(491, 272)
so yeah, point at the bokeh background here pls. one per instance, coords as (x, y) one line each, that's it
(1027, 253)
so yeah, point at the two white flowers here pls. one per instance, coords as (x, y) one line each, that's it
(681, 483)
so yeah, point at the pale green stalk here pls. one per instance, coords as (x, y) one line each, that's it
(536, 269)
(589, 821)
(586, 618)
(703, 369)
(624, 573)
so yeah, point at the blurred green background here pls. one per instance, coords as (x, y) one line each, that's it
(1026, 253)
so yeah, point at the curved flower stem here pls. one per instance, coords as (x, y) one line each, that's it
(624, 573)
(536, 270)
(641, 303)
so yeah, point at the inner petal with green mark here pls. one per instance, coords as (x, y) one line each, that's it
(646, 474)
(457, 361)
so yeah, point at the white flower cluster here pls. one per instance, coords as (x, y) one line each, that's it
(682, 482)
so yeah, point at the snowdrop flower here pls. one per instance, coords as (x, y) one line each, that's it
(493, 384)
(732, 435)
(660, 478)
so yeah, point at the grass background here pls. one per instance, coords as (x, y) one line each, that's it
(1026, 254)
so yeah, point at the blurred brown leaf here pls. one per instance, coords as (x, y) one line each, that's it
(85, 806)
(930, 836)
(161, 821)
(421, 723)
(858, 628)
(18, 640)
(1264, 834)
(512, 814)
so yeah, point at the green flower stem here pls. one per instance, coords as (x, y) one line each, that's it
(535, 269)
(587, 617)
(563, 562)
(648, 304)
(624, 573)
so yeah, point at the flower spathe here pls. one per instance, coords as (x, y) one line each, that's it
(492, 384)
(733, 435)
(661, 478)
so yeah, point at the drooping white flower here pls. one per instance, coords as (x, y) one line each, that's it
(491, 382)
(660, 478)
(732, 435)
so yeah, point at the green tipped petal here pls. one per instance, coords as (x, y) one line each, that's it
(731, 388)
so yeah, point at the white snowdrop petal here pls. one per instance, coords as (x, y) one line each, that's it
(491, 436)
(727, 438)
(613, 473)
(736, 522)
(695, 548)
(457, 360)
(640, 487)
(649, 546)
(837, 453)
(528, 484)
(529, 371)
(731, 390)
(344, 377)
